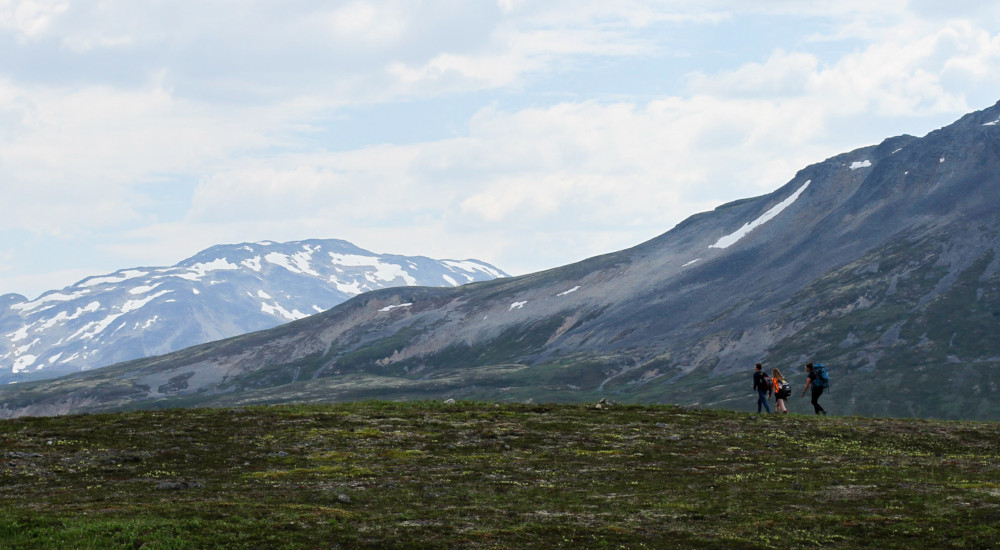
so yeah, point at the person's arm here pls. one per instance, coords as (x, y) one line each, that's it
(808, 381)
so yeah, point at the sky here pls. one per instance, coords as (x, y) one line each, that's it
(527, 134)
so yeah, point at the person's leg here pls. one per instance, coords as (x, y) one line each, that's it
(815, 400)
(762, 400)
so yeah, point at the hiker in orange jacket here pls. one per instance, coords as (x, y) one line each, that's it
(781, 391)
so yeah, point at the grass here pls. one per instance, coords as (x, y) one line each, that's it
(483, 475)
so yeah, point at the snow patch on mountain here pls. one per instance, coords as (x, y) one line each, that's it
(23, 349)
(570, 291)
(994, 123)
(143, 289)
(732, 238)
(133, 305)
(119, 277)
(44, 300)
(296, 263)
(278, 310)
(23, 362)
(517, 305)
(202, 269)
(861, 164)
(473, 267)
(92, 329)
(383, 271)
(390, 308)
(353, 288)
(19, 334)
(252, 263)
(63, 316)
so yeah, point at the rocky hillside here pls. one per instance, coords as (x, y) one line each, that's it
(881, 263)
(224, 291)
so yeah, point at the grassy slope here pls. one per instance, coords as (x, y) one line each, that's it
(472, 475)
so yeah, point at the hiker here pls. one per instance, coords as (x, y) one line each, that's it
(816, 380)
(763, 386)
(782, 390)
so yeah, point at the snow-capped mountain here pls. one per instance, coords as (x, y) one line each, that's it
(223, 291)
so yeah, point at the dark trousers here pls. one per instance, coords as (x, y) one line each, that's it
(815, 399)
(762, 400)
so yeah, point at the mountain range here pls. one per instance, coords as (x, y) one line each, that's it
(881, 263)
(224, 291)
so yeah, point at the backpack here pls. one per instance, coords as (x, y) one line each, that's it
(822, 378)
(765, 382)
(784, 389)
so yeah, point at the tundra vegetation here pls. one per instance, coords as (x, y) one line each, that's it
(484, 475)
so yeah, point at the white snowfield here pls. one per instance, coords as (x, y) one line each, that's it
(473, 267)
(296, 263)
(861, 164)
(143, 289)
(252, 263)
(390, 308)
(732, 238)
(51, 297)
(119, 277)
(276, 309)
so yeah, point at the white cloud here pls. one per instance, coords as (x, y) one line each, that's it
(80, 157)
(367, 22)
(611, 174)
(593, 125)
(30, 18)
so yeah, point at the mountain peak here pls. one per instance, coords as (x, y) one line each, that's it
(223, 291)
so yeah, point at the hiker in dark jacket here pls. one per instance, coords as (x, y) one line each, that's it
(817, 390)
(763, 386)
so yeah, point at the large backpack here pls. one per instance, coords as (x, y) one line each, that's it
(822, 378)
(784, 389)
